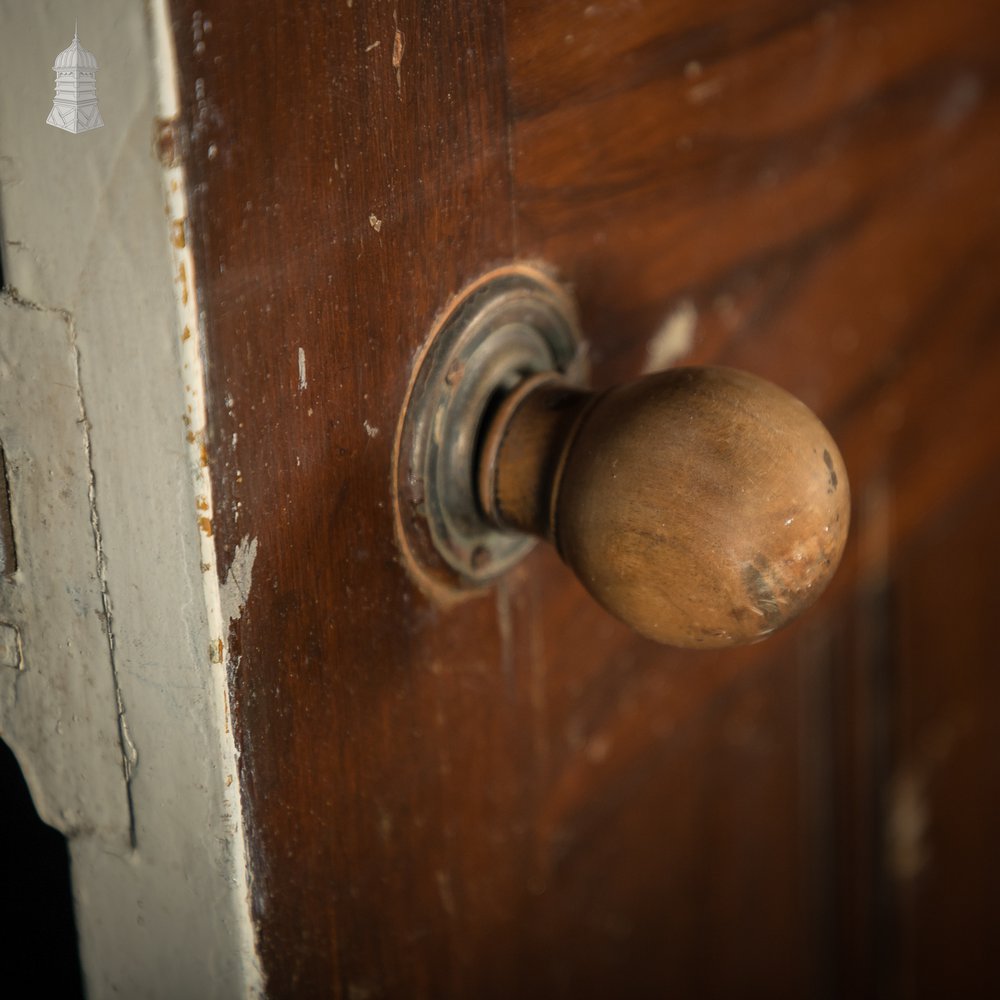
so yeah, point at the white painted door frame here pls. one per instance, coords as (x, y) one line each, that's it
(116, 706)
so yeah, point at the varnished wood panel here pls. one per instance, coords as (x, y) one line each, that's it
(515, 796)
(943, 796)
(349, 170)
(810, 185)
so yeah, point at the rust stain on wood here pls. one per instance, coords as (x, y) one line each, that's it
(167, 141)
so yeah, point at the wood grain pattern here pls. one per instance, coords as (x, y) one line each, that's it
(812, 185)
(340, 201)
(943, 813)
(516, 796)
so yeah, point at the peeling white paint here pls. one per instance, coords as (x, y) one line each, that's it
(674, 339)
(303, 384)
(217, 610)
(65, 670)
(239, 580)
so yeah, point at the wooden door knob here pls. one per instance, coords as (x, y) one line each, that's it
(704, 507)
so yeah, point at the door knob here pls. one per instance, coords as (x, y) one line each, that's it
(704, 507)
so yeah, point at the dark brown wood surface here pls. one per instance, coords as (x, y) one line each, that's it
(515, 796)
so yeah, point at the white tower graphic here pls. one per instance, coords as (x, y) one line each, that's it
(75, 107)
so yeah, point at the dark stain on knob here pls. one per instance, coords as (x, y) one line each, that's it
(760, 594)
(828, 460)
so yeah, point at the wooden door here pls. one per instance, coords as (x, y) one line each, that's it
(513, 795)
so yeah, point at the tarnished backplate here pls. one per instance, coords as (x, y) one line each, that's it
(512, 323)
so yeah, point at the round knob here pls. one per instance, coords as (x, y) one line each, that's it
(702, 506)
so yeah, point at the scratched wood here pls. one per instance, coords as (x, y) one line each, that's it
(515, 796)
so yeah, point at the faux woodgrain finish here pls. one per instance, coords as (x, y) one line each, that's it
(515, 796)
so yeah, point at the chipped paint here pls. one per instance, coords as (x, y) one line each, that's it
(375, 222)
(236, 590)
(674, 339)
(216, 597)
(11, 654)
(398, 43)
(61, 622)
(166, 142)
(370, 430)
(182, 281)
(303, 384)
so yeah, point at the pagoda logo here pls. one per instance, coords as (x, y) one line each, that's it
(75, 106)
